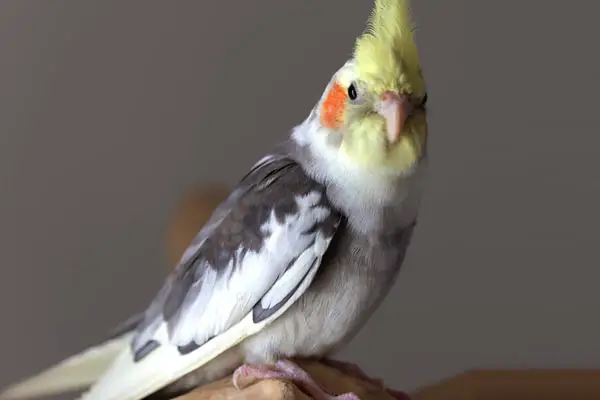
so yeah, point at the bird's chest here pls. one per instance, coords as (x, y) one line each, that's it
(356, 274)
(350, 285)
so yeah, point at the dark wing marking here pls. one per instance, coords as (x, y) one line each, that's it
(250, 257)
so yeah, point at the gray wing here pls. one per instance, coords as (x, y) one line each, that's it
(249, 257)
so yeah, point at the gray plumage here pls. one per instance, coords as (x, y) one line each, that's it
(224, 252)
(357, 272)
(307, 245)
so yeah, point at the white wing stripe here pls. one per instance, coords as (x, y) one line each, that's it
(225, 297)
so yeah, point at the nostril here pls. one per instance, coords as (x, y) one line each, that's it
(388, 96)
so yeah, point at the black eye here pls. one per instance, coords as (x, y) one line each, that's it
(423, 101)
(352, 94)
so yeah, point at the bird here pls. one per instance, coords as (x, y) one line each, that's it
(301, 253)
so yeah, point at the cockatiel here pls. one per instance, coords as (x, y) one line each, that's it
(301, 253)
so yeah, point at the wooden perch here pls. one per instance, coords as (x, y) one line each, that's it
(330, 379)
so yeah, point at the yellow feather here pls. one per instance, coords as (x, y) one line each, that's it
(386, 59)
(386, 54)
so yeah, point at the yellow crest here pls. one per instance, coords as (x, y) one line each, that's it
(386, 54)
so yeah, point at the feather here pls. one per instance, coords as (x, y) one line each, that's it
(257, 254)
(386, 54)
(75, 373)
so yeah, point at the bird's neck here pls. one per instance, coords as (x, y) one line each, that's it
(369, 201)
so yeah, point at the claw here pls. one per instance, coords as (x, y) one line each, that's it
(286, 370)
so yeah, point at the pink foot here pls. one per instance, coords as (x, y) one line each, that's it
(355, 371)
(288, 370)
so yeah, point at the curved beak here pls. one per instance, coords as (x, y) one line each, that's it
(395, 108)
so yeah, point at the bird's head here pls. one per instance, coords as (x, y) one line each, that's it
(372, 113)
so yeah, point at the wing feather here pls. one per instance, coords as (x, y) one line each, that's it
(257, 254)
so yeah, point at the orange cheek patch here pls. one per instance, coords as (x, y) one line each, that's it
(333, 107)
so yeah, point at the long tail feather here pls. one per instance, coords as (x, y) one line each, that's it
(75, 373)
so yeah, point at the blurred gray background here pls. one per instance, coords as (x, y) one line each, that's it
(110, 110)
